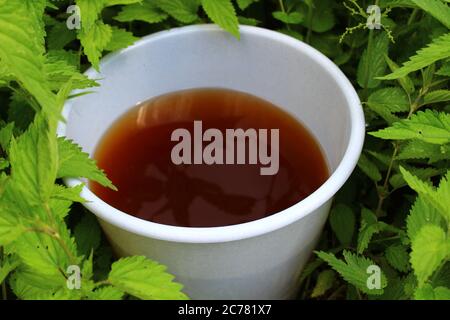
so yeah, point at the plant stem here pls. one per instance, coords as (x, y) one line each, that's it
(382, 196)
(310, 17)
(413, 16)
(283, 9)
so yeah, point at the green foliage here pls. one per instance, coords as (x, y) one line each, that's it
(222, 12)
(398, 196)
(354, 270)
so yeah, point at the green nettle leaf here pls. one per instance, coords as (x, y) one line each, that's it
(106, 293)
(222, 13)
(427, 292)
(146, 11)
(436, 97)
(439, 199)
(439, 49)
(87, 234)
(22, 51)
(144, 279)
(34, 162)
(398, 257)
(6, 134)
(405, 82)
(120, 39)
(90, 11)
(95, 40)
(10, 225)
(369, 227)
(369, 168)
(373, 63)
(355, 270)
(439, 10)
(417, 149)
(248, 21)
(429, 126)
(289, 18)
(183, 10)
(73, 162)
(397, 180)
(68, 194)
(244, 4)
(444, 70)
(429, 249)
(342, 221)
(325, 282)
(387, 101)
(60, 72)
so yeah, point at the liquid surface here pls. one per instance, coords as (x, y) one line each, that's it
(135, 153)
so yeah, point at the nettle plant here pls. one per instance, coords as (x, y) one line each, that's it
(388, 232)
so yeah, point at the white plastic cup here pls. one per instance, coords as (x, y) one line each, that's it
(261, 259)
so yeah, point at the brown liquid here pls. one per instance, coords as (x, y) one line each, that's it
(136, 155)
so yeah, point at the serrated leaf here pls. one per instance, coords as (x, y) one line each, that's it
(405, 82)
(354, 270)
(73, 162)
(183, 10)
(372, 63)
(22, 51)
(429, 249)
(244, 4)
(10, 225)
(427, 292)
(222, 13)
(439, 199)
(369, 168)
(369, 227)
(398, 257)
(146, 11)
(444, 70)
(393, 99)
(34, 162)
(437, 9)
(90, 11)
(397, 180)
(106, 293)
(60, 72)
(120, 38)
(429, 126)
(145, 279)
(387, 101)
(68, 194)
(342, 221)
(248, 21)
(289, 18)
(324, 283)
(436, 97)
(439, 49)
(417, 149)
(94, 41)
(6, 134)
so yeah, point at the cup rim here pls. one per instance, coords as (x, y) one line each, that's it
(253, 228)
